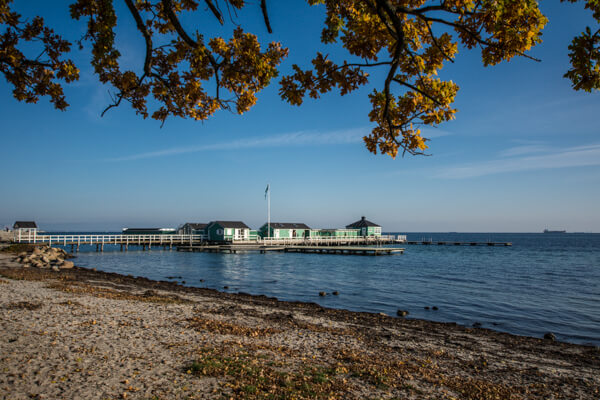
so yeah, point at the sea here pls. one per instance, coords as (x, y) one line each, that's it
(542, 283)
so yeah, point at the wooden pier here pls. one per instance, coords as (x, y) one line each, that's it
(146, 242)
(343, 250)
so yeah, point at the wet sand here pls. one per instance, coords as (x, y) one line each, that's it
(86, 334)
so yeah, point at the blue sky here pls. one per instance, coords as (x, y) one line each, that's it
(523, 153)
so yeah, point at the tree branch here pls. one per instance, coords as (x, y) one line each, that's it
(215, 11)
(142, 28)
(475, 36)
(263, 7)
(168, 9)
(416, 89)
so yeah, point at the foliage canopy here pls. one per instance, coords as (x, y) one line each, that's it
(189, 75)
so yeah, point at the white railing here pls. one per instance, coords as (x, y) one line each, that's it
(34, 237)
(332, 239)
(109, 239)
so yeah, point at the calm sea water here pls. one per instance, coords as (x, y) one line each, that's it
(543, 283)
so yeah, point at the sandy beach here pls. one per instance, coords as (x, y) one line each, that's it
(85, 334)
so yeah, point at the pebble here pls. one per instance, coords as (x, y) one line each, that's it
(550, 336)
(322, 294)
(434, 308)
(402, 313)
(336, 293)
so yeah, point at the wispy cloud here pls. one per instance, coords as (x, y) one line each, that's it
(525, 150)
(302, 138)
(432, 133)
(580, 156)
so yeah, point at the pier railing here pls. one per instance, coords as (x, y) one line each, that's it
(334, 240)
(102, 239)
(169, 240)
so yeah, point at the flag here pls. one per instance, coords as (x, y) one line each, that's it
(266, 191)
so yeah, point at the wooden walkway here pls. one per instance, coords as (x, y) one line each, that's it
(124, 241)
(344, 250)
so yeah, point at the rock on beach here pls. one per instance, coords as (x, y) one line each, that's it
(45, 257)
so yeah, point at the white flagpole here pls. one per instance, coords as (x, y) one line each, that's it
(268, 210)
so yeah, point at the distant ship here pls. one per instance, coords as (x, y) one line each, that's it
(547, 231)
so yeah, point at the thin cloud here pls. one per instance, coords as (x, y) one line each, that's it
(302, 138)
(525, 150)
(580, 156)
(432, 133)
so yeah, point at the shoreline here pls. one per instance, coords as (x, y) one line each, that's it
(201, 343)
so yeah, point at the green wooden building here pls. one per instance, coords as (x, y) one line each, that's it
(226, 231)
(334, 233)
(285, 230)
(365, 227)
(192, 228)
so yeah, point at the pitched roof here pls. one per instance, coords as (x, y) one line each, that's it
(24, 224)
(288, 225)
(231, 224)
(195, 225)
(362, 223)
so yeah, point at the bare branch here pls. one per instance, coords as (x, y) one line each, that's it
(263, 7)
(215, 11)
(142, 28)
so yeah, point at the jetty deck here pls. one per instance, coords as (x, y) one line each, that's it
(343, 250)
(147, 241)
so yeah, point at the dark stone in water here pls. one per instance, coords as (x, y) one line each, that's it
(477, 325)
(183, 282)
(201, 280)
(402, 313)
(336, 293)
(434, 308)
(225, 287)
(550, 336)
(322, 294)
(427, 307)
